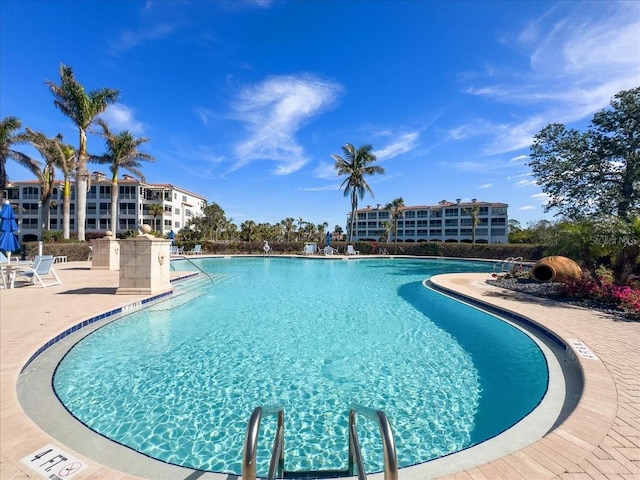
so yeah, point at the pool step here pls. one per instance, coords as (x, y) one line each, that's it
(316, 474)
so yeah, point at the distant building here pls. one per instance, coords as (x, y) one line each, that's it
(444, 222)
(134, 198)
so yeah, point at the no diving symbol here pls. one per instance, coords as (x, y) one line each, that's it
(69, 469)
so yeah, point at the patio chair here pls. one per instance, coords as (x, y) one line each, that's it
(352, 251)
(309, 249)
(197, 250)
(41, 266)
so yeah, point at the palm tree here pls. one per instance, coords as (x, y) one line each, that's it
(122, 152)
(8, 138)
(154, 209)
(82, 108)
(395, 209)
(49, 149)
(357, 164)
(473, 213)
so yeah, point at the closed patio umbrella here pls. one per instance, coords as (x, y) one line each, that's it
(8, 226)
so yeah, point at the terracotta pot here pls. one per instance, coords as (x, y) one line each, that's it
(556, 269)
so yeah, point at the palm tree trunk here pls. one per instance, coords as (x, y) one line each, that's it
(354, 207)
(66, 208)
(114, 204)
(81, 186)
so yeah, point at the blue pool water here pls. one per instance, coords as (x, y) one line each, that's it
(179, 380)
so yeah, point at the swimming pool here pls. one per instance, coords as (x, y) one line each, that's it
(179, 380)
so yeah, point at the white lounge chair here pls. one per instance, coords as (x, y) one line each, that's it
(309, 249)
(352, 251)
(197, 250)
(41, 266)
(176, 250)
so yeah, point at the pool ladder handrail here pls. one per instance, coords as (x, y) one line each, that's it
(197, 267)
(356, 463)
(509, 261)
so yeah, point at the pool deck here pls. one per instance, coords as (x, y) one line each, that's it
(600, 439)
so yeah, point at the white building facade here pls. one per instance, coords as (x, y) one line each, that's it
(134, 198)
(444, 222)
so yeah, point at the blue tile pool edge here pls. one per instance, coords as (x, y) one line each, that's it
(124, 309)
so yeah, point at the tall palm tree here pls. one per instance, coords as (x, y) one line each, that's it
(122, 153)
(82, 108)
(8, 138)
(473, 213)
(357, 164)
(49, 149)
(395, 210)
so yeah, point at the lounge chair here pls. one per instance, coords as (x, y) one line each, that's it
(352, 251)
(197, 250)
(176, 250)
(329, 250)
(41, 266)
(309, 249)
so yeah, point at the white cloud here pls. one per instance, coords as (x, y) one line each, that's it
(204, 114)
(526, 207)
(132, 38)
(326, 170)
(274, 111)
(526, 183)
(580, 55)
(402, 144)
(119, 117)
(542, 197)
(486, 185)
(520, 158)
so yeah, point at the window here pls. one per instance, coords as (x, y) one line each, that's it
(498, 232)
(451, 232)
(30, 224)
(499, 210)
(410, 223)
(435, 223)
(436, 213)
(91, 208)
(127, 208)
(104, 224)
(423, 232)
(465, 231)
(451, 222)
(167, 208)
(91, 223)
(53, 223)
(409, 233)
(482, 231)
(177, 211)
(498, 221)
(423, 213)
(450, 212)
(466, 222)
(372, 215)
(105, 191)
(361, 224)
(127, 224)
(184, 198)
(433, 232)
(372, 224)
(423, 223)
(383, 215)
(483, 211)
(410, 214)
(167, 223)
(105, 208)
(187, 212)
(177, 225)
(92, 192)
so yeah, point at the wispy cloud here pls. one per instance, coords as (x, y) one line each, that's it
(526, 183)
(204, 114)
(485, 185)
(542, 197)
(274, 111)
(133, 38)
(580, 55)
(326, 170)
(119, 117)
(404, 143)
(526, 207)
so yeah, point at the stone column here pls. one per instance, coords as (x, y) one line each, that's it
(106, 253)
(144, 265)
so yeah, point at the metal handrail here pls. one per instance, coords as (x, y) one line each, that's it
(276, 466)
(388, 443)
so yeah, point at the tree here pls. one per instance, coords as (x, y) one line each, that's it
(395, 211)
(154, 209)
(122, 153)
(51, 152)
(473, 213)
(211, 223)
(357, 164)
(8, 138)
(82, 108)
(592, 172)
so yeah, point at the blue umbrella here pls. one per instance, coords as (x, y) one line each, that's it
(8, 226)
(328, 238)
(171, 236)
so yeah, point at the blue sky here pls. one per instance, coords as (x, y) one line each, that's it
(244, 102)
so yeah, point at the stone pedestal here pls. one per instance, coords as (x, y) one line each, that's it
(144, 266)
(106, 254)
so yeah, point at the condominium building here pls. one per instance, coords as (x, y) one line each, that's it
(134, 198)
(444, 222)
